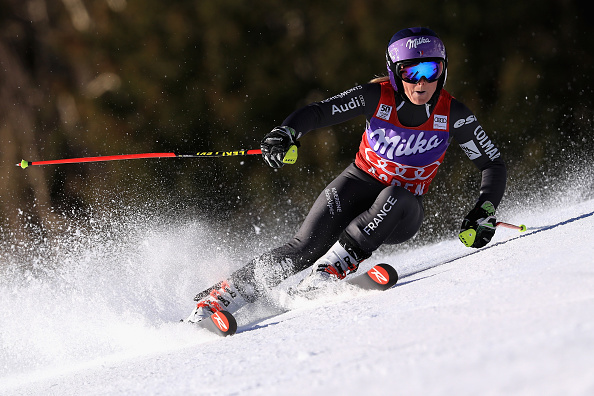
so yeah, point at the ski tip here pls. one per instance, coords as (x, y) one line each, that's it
(380, 277)
(221, 323)
(384, 275)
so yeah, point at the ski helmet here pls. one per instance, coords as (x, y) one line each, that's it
(414, 44)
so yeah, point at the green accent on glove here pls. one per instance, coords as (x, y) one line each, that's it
(478, 226)
(291, 156)
(488, 207)
(467, 237)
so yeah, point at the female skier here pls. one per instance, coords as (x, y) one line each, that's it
(410, 121)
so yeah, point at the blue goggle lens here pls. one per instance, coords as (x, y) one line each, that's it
(412, 73)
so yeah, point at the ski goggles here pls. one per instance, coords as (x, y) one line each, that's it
(413, 72)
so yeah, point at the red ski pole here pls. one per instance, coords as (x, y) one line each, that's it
(203, 154)
(467, 237)
(290, 157)
(520, 228)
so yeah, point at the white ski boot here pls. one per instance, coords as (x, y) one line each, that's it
(335, 265)
(221, 297)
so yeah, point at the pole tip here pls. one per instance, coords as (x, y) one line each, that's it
(23, 164)
(522, 228)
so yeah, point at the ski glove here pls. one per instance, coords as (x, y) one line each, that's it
(279, 147)
(479, 225)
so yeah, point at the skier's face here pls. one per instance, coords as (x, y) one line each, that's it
(421, 92)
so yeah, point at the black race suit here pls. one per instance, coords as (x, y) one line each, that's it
(364, 207)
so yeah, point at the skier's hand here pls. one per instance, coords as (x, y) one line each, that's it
(279, 147)
(478, 227)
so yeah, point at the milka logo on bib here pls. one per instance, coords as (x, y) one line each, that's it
(398, 146)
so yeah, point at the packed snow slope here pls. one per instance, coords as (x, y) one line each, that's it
(99, 316)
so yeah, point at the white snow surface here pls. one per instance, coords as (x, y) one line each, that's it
(99, 315)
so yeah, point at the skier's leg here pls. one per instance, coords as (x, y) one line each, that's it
(394, 217)
(351, 193)
(371, 213)
(342, 200)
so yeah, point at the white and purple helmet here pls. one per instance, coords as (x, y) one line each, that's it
(414, 44)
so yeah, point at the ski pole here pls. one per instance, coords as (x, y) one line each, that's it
(289, 158)
(520, 228)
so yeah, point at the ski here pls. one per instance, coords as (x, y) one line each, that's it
(380, 277)
(221, 323)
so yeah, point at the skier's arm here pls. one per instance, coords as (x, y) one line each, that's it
(360, 100)
(479, 148)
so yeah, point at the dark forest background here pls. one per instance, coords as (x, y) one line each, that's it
(103, 77)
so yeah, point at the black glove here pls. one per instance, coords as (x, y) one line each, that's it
(276, 144)
(479, 225)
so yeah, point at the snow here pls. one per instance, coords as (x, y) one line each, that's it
(98, 316)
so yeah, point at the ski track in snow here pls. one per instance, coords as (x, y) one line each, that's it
(514, 318)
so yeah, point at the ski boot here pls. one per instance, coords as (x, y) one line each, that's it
(221, 297)
(340, 261)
